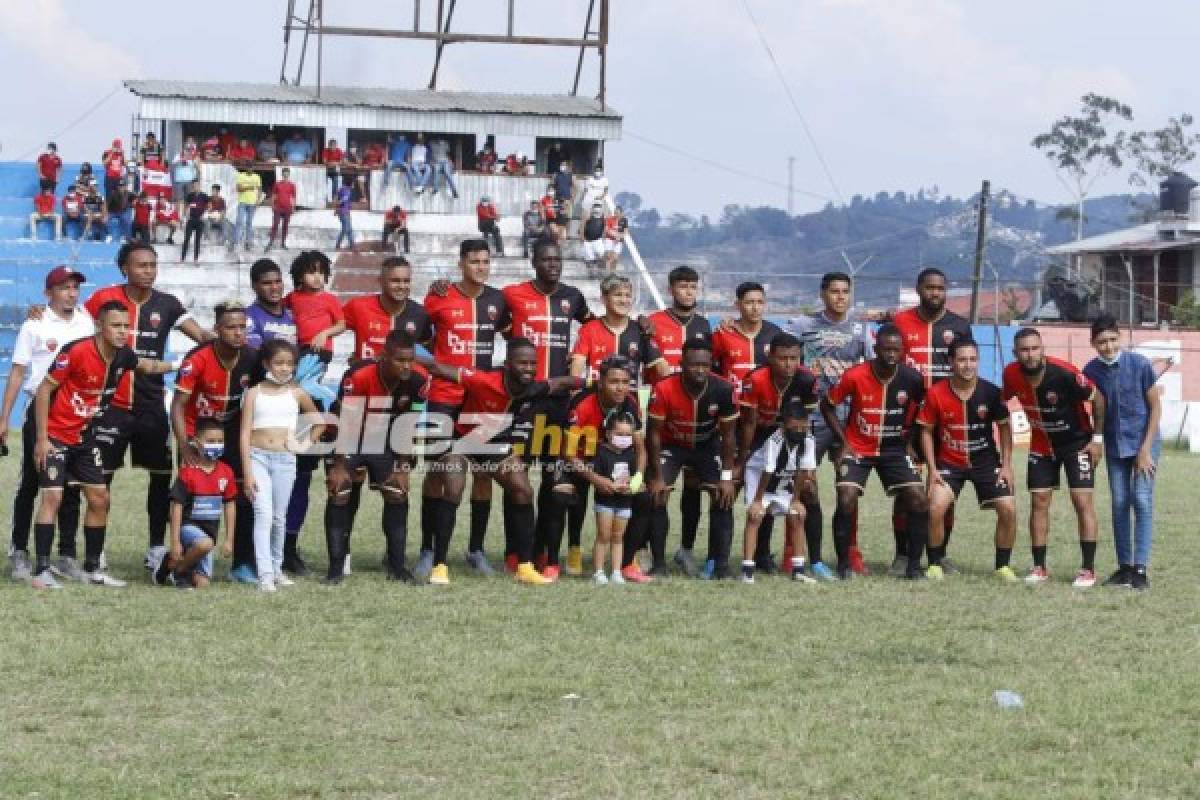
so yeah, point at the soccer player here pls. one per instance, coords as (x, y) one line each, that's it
(212, 379)
(79, 385)
(498, 405)
(884, 396)
(928, 329)
(373, 455)
(267, 317)
(691, 424)
(834, 339)
(372, 317)
(672, 328)
(137, 417)
(1053, 393)
(38, 342)
(465, 323)
(957, 441)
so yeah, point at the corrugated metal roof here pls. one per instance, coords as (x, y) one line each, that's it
(400, 99)
(1139, 239)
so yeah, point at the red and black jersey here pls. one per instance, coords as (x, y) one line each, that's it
(366, 380)
(587, 417)
(464, 334)
(1055, 407)
(545, 320)
(735, 353)
(597, 341)
(86, 383)
(761, 392)
(686, 420)
(881, 412)
(150, 325)
(214, 387)
(203, 495)
(314, 312)
(671, 332)
(371, 324)
(927, 344)
(962, 427)
(488, 401)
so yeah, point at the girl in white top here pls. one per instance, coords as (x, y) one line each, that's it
(270, 416)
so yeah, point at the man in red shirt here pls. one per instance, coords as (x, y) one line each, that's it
(227, 142)
(43, 210)
(283, 203)
(243, 151)
(113, 160)
(743, 344)
(616, 333)
(371, 318)
(49, 168)
(332, 157)
(143, 213)
(488, 217)
(73, 212)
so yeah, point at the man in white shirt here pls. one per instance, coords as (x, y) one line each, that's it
(38, 342)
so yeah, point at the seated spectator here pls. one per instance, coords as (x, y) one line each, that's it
(210, 149)
(143, 213)
(375, 156)
(297, 150)
(85, 175)
(396, 221)
(94, 214)
(332, 157)
(616, 228)
(488, 218)
(114, 166)
(150, 150)
(512, 164)
(485, 161)
(72, 211)
(353, 155)
(216, 218)
(443, 166)
(593, 238)
(533, 225)
(420, 172)
(49, 168)
(268, 148)
(242, 151)
(397, 157)
(119, 206)
(43, 210)
(184, 172)
(166, 215)
(227, 141)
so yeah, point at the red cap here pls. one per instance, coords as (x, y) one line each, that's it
(62, 274)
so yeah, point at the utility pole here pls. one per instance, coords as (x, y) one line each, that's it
(791, 186)
(980, 244)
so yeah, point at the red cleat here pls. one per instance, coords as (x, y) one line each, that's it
(510, 563)
(633, 574)
(551, 573)
(857, 566)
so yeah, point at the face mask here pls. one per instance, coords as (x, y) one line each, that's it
(622, 442)
(275, 380)
(213, 451)
(794, 437)
(1111, 361)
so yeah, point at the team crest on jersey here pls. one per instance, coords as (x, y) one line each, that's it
(186, 369)
(244, 381)
(948, 337)
(155, 319)
(981, 411)
(492, 313)
(410, 326)
(633, 350)
(1052, 398)
(902, 397)
(565, 305)
(51, 345)
(62, 362)
(713, 409)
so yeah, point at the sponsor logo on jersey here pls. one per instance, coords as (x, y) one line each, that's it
(981, 411)
(492, 313)
(948, 336)
(565, 305)
(1052, 398)
(902, 397)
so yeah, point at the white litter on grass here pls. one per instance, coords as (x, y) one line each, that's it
(571, 696)
(1006, 698)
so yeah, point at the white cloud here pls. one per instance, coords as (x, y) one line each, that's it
(45, 31)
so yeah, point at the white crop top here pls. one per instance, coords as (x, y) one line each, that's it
(275, 411)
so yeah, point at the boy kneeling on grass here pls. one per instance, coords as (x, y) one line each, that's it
(201, 496)
(788, 462)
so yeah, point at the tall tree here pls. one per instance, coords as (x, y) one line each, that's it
(1160, 153)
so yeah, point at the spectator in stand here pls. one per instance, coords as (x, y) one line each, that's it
(555, 158)
(184, 172)
(72, 211)
(210, 150)
(166, 215)
(489, 218)
(554, 226)
(514, 164)
(283, 203)
(43, 209)
(242, 151)
(150, 151)
(353, 157)
(593, 238)
(485, 161)
(375, 156)
(443, 167)
(395, 222)
(190, 148)
(249, 194)
(227, 141)
(332, 157)
(297, 150)
(533, 226)
(595, 189)
(419, 172)
(268, 148)
(49, 168)
(345, 201)
(114, 166)
(96, 216)
(85, 175)
(120, 208)
(217, 216)
(143, 212)
(564, 188)
(397, 157)
(197, 206)
(616, 227)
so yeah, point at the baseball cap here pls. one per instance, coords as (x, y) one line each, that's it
(62, 274)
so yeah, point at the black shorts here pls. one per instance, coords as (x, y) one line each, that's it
(378, 466)
(144, 432)
(1044, 473)
(47, 183)
(989, 486)
(896, 471)
(704, 460)
(81, 464)
(827, 445)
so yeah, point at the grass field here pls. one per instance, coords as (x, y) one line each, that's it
(873, 689)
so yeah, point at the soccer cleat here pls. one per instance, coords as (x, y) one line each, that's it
(935, 572)
(857, 565)
(574, 561)
(283, 580)
(440, 575)
(527, 574)
(1006, 574)
(899, 567)
(915, 575)
(510, 563)
(67, 568)
(1139, 581)
(477, 562)
(243, 574)
(658, 571)
(45, 580)
(19, 567)
(333, 580)
(1037, 575)
(844, 573)
(633, 574)
(295, 565)
(1084, 579)
(148, 560)
(102, 578)
(424, 565)
(801, 577)
(686, 561)
(401, 575)
(600, 579)
(823, 573)
(710, 567)
(552, 573)
(267, 585)
(949, 567)
(1123, 577)
(767, 565)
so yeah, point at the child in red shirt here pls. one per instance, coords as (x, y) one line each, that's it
(318, 313)
(166, 214)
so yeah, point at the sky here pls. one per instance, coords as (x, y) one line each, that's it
(895, 94)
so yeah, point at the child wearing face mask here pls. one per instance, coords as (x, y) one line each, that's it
(616, 478)
(270, 440)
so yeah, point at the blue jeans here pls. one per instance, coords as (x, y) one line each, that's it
(274, 474)
(444, 169)
(1132, 493)
(188, 536)
(245, 222)
(395, 165)
(420, 175)
(346, 232)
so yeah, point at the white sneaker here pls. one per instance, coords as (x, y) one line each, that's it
(266, 585)
(617, 578)
(346, 565)
(102, 578)
(45, 580)
(283, 580)
(600, 579)
(103, 562)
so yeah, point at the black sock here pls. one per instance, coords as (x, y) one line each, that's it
(337, 536)
(689, 510)
(1089, 554)
(480, 510)
(576, 516)
(918, 535)
(447, 517)
(720, 521)
(395, 533)
(949, 524)
(93, 546)
(43, 540)
(522, 518)
(637, 532)
(68, 521)
(428, 522)
(158, 506)
(551, 522)
(659, 525)
(814, 529)
(1039, 556)
(935, 554)
(900, 531)
(841, 538)
(762, 547)
(1003, 555)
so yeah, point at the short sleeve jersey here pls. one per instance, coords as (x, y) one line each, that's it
(214, 388)
(1058, 420)
(367, 381)
(780, 463)
(597, 341)
(48, 165)
(262, 326)
(488, 402)
(927, 344)
(85, 384)
(314, 312)
(686, 420)
(881, 413)
(735, 353)
(371, 324)
(962, 428)
(671, 332)
(464, 334)
(545, 320)
(761, 392)
(831, 348)
(203, 495)
(587, 417)
(150, 324)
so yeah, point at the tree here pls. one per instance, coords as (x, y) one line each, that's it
(1187, 312)
(1161, 153)
(1084, 148)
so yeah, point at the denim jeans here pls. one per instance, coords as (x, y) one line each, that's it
(420, 175)
(387, 173)
(274, 474)
(444, 169)
(245, 222)
(188, 536)
(347, 232)
(1132, 493)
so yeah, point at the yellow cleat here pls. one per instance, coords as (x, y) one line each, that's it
(1006, 575)
(440, 576)
(527, 573)
(934, 572)
(574, 561)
